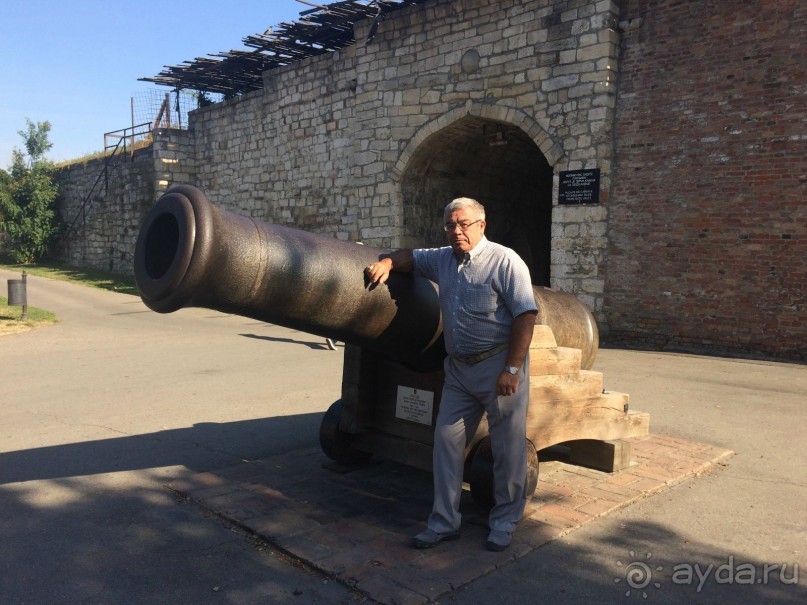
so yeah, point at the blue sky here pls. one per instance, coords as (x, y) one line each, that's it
(77, 64)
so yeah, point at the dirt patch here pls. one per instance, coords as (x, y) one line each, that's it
(11, 326)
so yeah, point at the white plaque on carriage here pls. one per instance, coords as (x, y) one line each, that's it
(415, 405)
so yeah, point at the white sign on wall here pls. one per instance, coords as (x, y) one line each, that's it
(414, 405)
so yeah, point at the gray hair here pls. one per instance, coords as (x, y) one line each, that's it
(464, 202)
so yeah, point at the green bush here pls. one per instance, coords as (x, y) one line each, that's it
(27, 195)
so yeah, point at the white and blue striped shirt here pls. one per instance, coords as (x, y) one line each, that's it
(479, 296)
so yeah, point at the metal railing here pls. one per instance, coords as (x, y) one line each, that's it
(126, 135)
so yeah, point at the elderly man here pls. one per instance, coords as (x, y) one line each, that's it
(488, 312)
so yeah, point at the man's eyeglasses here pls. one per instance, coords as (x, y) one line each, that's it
(449, 227)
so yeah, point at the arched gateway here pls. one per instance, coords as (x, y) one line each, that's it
(491, 154)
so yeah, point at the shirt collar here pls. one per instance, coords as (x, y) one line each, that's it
(478, 249)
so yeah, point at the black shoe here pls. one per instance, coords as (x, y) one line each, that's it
(429, 538)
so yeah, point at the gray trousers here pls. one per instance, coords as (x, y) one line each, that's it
(470, 390)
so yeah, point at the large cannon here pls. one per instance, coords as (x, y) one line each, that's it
(190, 253)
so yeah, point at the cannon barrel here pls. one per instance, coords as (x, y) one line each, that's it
(192, 254)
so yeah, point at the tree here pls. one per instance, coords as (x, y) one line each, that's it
(36, 140)
(27, 195)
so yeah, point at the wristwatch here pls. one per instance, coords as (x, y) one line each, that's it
(511, 369)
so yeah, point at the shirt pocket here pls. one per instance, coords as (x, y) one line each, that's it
(481, 299)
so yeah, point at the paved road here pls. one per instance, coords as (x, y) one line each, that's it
(100, 410)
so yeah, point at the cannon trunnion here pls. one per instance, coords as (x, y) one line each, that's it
(190, 253)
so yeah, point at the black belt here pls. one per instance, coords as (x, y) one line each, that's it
(472, 359)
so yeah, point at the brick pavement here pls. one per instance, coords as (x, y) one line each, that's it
(357, 524)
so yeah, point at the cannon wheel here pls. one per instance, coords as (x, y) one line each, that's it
(336, 443)
(480, 472)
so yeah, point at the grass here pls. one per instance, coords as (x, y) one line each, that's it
(100, 155)
(11, 317)
(11, 320)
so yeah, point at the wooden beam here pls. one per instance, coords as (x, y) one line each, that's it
(606, 456)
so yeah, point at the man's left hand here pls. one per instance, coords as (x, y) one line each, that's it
(507, 384)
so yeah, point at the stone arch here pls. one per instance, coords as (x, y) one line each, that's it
(498, 155)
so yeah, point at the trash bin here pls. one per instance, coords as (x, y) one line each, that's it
(16, 293)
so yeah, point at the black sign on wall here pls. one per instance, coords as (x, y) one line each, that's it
(579, 187)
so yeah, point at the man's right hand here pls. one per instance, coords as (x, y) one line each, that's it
(377, 273)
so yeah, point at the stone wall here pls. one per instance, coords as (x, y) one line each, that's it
(103, 202)
(480, 98)
(708, 215)
(369, 143)
(174, 158)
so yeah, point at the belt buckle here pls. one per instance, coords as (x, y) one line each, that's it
(476, 358)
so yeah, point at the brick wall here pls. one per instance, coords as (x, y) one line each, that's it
(708, 213)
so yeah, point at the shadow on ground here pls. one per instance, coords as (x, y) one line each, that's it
(204, 446)
(62, 545)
